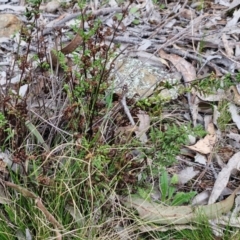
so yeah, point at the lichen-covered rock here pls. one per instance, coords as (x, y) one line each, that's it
(9, 25)
(141, 78)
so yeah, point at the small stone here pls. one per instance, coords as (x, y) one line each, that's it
(9, 25)
(187, 14)
(142, 78)
(52, 6)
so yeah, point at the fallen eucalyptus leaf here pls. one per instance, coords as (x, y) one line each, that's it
(161, 214)
(156, 228)
(201, 198)
(144, 125)
(234, 113)
(186, 175)
(223, 177)
(205, 145)
(199, 158)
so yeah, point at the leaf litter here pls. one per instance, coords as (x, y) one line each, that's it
(194, 43)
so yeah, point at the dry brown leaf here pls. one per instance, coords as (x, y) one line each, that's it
(186, 174)
(199, 158)
(189, 74)
(223, 177)
(184, 67)
(234, 114)
(228, 49)
(157, 228)
(205, 145)
(144, 125)
(161, 214)
(201, 198)
(233, 220)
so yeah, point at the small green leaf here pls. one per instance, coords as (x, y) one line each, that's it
(174, 179)
(133, 10)
(109, 100)
(143, 193)
(163, 185)
(182, 197)
(136, 21)
(162, 6)
(171, 191)
(119, 16)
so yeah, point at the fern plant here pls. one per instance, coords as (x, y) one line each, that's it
(167, 143)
